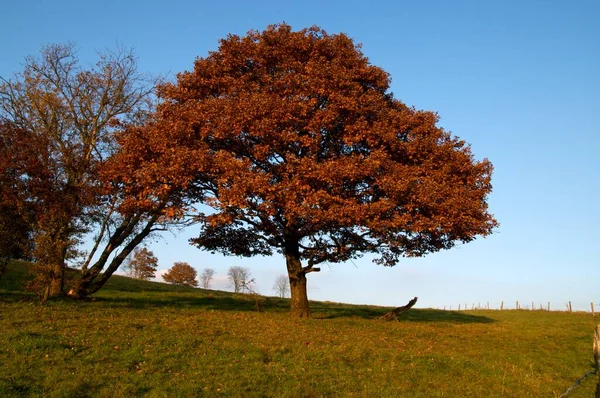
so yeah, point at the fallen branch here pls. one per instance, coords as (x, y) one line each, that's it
(396, 311)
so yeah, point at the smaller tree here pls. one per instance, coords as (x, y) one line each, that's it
(142, 265)
(282, 286)
(238, 277)
(181, 273)
(58, 125)
(206, 277)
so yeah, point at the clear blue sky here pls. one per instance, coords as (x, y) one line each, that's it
(519, 80)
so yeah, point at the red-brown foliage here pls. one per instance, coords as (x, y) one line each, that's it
(181, 273)
(295, 141)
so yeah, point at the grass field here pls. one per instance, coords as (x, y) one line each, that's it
(150, 339)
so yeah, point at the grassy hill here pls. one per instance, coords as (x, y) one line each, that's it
(139, 338)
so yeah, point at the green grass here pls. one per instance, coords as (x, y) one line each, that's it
(149, 339)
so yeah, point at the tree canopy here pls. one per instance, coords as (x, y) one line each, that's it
(206, 277)
(238, 277)
(181, 273)
(281, 286)
(142, 264)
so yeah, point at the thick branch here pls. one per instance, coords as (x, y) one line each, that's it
(118, 259)
(99, 238)
(117, 238)
(310, 267)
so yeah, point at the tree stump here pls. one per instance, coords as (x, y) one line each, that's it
(396, 311)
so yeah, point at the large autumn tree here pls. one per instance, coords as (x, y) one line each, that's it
(296, 142)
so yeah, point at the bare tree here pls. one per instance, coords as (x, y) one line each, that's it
(238, 277)
(282, 285)
(206, 277)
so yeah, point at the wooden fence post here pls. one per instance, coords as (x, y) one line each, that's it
(548, 306)
(532, 306)
(593, 313)
(517, 304)
(597, 359)
(570, 308)
(502, 305)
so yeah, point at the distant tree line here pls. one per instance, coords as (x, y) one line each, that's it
(143, 264)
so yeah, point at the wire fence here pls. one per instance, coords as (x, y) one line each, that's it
(578, 382)
(591, 307)
(595, 371)
(569, 306)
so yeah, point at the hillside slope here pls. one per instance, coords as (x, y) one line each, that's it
(138, 338)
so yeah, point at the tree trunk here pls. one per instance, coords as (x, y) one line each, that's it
(297, 275)
(56, 279)
(300, 307)
(50, 251)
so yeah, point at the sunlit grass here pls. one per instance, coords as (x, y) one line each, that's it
(141, 339)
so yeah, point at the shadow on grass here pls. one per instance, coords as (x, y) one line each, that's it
(430, 315)
(220, 301)
(223, 301)
(8, 296)
(413, 315)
